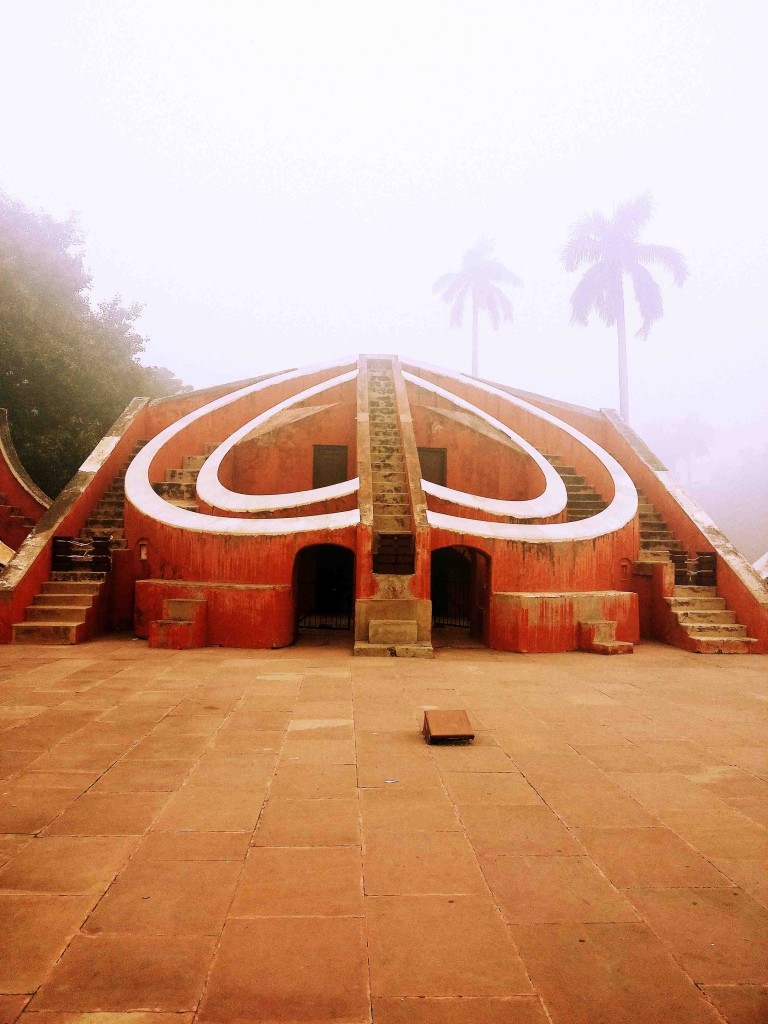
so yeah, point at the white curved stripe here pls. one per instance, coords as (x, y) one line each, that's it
(139, 491)
(621, 510)
(551, 502)
(215, 494)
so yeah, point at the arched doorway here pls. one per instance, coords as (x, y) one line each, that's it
(460, 587)
(324, 585)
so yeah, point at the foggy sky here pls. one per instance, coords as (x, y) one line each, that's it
(283, 182)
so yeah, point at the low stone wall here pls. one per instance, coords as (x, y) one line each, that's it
(549, 623)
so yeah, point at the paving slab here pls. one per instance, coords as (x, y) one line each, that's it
(221, 836)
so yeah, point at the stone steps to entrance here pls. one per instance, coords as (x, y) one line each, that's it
(64, 611)
(707, 626)
(49, 633)
(709, 615)
(83, 600)
(391, 524)
(582, 500)
(656, 538)
(391, 507)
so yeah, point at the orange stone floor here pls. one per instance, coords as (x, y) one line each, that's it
(223, 836)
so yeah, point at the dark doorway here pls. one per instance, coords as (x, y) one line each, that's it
(329, 464)
(325, 587)
(460, 590)
(433, 464)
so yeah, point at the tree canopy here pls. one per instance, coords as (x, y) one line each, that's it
(68, 367)
(611, 249)
(480, 279)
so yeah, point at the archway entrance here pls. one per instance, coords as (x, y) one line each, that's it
(324, 578)
(460, 590)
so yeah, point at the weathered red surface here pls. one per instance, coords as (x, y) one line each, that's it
(538, 623)
(531, 597)
(238, 616)
(65, 518)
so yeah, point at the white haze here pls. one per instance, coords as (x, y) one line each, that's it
(281, 182)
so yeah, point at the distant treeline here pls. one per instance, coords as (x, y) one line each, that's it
(67, 367)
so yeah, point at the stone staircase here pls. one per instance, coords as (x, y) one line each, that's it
(14, 525)
(705, 624)
(702, 623)
(393, 629)
(67, 608)
(657, 542)
(598, 636)
(178, 488)
(107, 520)
(65, 611)
(700, 620)
(583, 500)
(183, 626)
(391, 506)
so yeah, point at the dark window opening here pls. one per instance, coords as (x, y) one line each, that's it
(329, 464)
(433, 463)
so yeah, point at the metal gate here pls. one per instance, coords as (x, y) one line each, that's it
(326, 620)
(454, 605)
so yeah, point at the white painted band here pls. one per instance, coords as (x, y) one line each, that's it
(140, 494)
(621, 510)
(550, 503)
(214, 493)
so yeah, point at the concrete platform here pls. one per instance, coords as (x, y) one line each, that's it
(230, 835)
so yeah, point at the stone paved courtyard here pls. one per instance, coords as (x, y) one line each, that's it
(228, 836)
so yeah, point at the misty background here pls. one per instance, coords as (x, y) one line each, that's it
(283, 183)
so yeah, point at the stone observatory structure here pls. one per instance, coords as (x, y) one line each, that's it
(387, 497)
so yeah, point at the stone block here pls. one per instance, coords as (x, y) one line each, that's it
(384, 631)
(447, 726)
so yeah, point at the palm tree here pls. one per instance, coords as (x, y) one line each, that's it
(480, 277)
(613, 250)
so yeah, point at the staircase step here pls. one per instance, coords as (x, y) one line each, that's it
(78, 575)
(74, 586)
(691, 591)
(367, 650)
(71, 614)
(661, 545)
(184, 476)
(56, 599)
(721, 644)
(613, 647)
(391, 524)
(48, 632)
(714, 629)
(175, 489)
(710, 615)
(393, 508)
(685, 604)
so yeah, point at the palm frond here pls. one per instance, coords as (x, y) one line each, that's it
(585, 242)
(506, 309)
(457, 309)
(595, 292)
(497, 272)
(482, 249)
(664, 256)
(491, 307)
(648, 295)
(631, 216)
(442, 284)
(453, 286)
